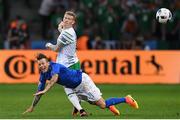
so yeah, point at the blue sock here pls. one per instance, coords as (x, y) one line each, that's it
(114, 101)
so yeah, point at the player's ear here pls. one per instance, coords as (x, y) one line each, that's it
(48, 59)
(74, 22)
(36, 60)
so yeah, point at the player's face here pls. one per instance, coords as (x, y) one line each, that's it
(43, 65)
(68, 21)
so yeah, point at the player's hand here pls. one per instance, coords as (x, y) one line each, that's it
(60, 26)
(39, 93)
(29, 110)
(48, 45)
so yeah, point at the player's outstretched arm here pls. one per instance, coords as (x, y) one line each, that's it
(54, 47)
(34, 103)
(36, 99)
(30, 109)
(53, 80)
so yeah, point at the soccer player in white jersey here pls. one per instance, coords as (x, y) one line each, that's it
(66, 46)
(78, 81)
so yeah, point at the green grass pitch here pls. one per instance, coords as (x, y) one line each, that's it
(155, 101)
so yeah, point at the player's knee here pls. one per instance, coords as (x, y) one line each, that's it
(102, 106)
(101, 103)
(72, 96)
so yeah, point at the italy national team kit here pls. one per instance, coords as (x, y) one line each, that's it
(67, 77)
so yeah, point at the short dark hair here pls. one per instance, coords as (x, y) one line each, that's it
(40, 56)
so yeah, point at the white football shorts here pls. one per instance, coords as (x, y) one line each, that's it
(87, 90)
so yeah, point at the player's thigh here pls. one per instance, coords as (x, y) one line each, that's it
(89, 89)
(68, 91)
(71, 94)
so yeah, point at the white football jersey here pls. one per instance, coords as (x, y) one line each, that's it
(67, 54)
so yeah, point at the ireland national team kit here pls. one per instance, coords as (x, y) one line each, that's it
(67, 57)
(67, 54)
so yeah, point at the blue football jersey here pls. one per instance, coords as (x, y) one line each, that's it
(67, 77)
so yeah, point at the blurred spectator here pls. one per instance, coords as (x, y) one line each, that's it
(138, 43)
(150, 42)
(146, 17)
(80, 19)
(18, 34)
(27, 3)
(4, 10)
(1, 10)
(130, 25)
(4, 17)
(1, 41)
(13, 35)
(173, 29)
(45, 12)
(111, 20)
(1, 17)
(128, 42)
(56, 18)
(23, 36)
(99, 44)
(82, 42)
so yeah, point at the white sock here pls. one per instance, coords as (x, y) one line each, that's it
(75, 101)
(73, 98)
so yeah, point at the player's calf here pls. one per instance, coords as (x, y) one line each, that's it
(102, 104)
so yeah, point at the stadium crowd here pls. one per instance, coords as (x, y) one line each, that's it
(101, 24)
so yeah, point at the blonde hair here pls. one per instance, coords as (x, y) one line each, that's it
(71, 13)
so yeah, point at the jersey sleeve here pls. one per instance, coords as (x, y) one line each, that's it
(55, 70)
(42, 83)
(66, 38)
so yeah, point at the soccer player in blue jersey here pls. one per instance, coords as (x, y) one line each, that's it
(80, 82)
